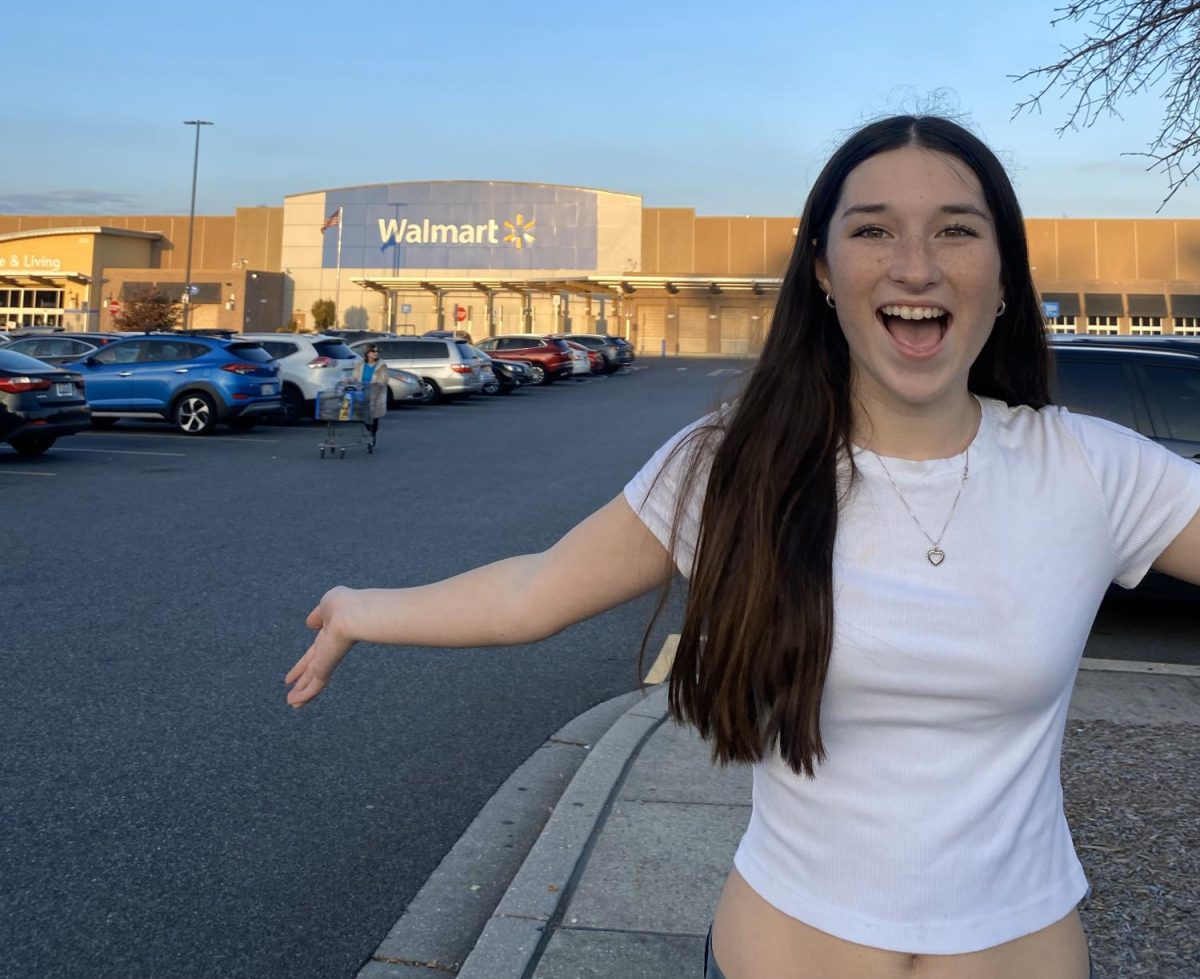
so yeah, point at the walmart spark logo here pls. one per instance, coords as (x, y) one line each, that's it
(518, 232)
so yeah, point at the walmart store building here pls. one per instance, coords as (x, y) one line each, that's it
(502, 257)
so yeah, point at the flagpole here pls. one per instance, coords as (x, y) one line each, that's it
(337, 291)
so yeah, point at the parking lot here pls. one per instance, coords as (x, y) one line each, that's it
(165, 813)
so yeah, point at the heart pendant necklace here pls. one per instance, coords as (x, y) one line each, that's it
(935, 554)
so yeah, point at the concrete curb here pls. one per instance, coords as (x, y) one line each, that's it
(443, 922)
(513, 938)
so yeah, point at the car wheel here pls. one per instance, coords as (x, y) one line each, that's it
(291, 406)
(430, 392)
(539, 373)
(242, 424)
(491, 387)
(195, 414)
(103, 423)
(32, 445)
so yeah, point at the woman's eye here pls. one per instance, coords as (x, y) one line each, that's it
(869, 231)
(960, 231)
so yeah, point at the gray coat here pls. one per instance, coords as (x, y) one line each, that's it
(377, 390)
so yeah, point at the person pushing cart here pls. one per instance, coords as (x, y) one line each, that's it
(357, 405)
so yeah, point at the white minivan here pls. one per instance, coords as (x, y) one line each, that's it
(447, 368)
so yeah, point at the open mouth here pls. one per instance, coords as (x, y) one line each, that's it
(917, 331)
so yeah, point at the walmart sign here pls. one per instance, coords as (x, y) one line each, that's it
(463, 225)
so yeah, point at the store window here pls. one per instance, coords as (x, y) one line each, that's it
(30, 307)
(1145, 325)
(1061, 324)
(1104, 325)
(1187, 325)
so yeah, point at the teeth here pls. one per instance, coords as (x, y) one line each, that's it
(914, 312)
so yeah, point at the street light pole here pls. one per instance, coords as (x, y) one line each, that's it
(187, 290)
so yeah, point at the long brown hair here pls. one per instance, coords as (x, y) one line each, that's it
(751, 663)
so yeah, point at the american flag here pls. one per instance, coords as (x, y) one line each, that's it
(332, 221)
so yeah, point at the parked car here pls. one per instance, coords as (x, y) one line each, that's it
(354, 336)
(404, 386)
(309, 364)
(595, 362)
(449, 335)
(512, 374)
(627, 347)
(447, 368)
(615, 355)
(503, 376)
(38, 403)
(60, 348)
(1148, 385)
(548, 357)
(194, 382)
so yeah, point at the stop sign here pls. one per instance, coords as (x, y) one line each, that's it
(460, 313)
(114, 307)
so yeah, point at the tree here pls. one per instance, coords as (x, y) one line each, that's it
(324, 314)
(147, 308)
(1133, 46)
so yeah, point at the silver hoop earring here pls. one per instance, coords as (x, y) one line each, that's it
(1003, 307)
(829, 301)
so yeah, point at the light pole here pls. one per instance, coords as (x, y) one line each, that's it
(187, 291)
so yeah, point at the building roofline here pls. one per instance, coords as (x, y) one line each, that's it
(522, 183)
(96, 229)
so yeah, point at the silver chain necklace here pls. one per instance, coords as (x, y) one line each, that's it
(935, 554)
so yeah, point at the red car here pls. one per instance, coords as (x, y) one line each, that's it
(548, 357)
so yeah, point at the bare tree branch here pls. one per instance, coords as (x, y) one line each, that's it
(1132, 47)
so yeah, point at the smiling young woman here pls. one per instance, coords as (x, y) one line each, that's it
(894, 548)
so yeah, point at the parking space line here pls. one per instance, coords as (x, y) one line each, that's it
(23, 472)
(666, 656)
(126, 452)
(200, 439)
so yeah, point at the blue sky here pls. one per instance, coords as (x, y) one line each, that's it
(730, 107)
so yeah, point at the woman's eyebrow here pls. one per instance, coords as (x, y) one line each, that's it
(966, 209)
(945, 209)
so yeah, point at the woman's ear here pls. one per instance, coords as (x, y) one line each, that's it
(823, 276)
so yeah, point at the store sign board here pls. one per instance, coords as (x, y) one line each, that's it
(19, 262)
(462, 225)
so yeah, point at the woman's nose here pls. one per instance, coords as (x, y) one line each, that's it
(914, 263)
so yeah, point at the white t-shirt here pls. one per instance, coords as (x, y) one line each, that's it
(935, 825)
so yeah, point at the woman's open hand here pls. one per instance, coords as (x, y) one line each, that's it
(331, 620)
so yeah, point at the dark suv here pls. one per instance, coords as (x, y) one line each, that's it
(1148, 384)
(548, 357)
(193, 381)
(615, 356)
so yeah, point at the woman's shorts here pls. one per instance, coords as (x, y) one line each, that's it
(713, 971)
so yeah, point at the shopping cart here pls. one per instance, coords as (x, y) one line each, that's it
(347, 416)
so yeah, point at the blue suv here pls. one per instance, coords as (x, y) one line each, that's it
(196, 382)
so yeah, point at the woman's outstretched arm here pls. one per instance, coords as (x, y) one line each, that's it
(603, 562)
(1181, 559)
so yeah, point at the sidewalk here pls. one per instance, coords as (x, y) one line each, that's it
(623, 879)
